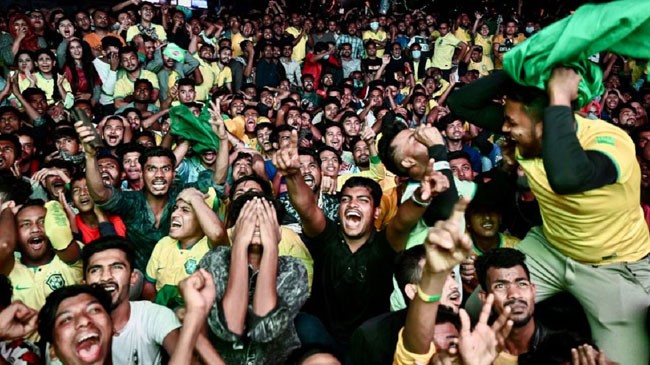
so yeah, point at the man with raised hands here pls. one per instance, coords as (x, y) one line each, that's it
(351, 283)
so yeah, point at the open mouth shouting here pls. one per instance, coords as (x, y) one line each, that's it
(36, 243)
(88, 346)
(309, 180)
(159, 185)
(107, 179)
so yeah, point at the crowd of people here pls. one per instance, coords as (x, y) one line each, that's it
(345, 186)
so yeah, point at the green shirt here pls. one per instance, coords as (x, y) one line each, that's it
(133, 208)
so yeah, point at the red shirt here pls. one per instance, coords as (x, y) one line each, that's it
(90, 234)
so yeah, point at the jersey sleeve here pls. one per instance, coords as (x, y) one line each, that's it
(619, 148)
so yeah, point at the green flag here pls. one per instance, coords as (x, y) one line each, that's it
(196, 130)
(621, 27)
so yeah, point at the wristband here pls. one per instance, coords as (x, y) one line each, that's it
(426, 297)
(441, 165)
(419, 202)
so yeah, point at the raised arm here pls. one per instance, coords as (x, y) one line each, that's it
(198, 291)
(219, 129)
(57, 229)
(8, 237)
(96, 188)
(210, 224)
(302, 198)
(265, 298)
(570, 168)
(475, 102)
(446, 246)
(235, 298)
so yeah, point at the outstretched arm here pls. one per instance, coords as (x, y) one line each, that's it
(96, 188)
(446, 246)
(475, 102)
(301, 196)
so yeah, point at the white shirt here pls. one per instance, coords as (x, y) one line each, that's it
(140, 341)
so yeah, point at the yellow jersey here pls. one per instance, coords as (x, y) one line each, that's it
(32, 284)
(169, 263)
(598, 226)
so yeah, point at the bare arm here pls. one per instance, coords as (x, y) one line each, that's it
(235, 298)
(7, 238)
(181, 150)
(219, 129)
(199, 293)
(445, 247)
(265, 298)
(153, 118)
(210, 224)
(96, 188)
(301, 196)
(119, 6)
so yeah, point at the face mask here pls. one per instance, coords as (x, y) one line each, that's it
(358, 84)
(374, 26)
(522, 183)
(530, 29)
(326, 57)
(416, 54)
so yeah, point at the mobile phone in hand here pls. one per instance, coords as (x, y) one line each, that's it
(78, 114)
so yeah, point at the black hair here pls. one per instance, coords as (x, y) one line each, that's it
(324, 148)
(10, 109)
(126, 111)
(186, 82)
(447, 315)
(87, 66)
(500, 258)
(139, 134)
(111, 41)
(61, 164)
(32, 91)
(15, 141)
(446, 120)
(31, 203)
(238, 204)
(14, 188)
(299, 355)
(264, 125)
(275, 135)
(390, 128)
(373, 186)
(56, 94)
(128, 49)
(533, 99)
(302, 151)
(157, 151)
(47, 314)
(453, 155)
(108, 243)
(407, 267)
(266, 188)
(143, 81)
(123, 149)
(242, 156)
(65, 132)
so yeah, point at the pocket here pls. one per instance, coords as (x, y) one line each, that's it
(640, 271)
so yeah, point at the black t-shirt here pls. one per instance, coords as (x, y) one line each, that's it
(349, 288)
(370, 66)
